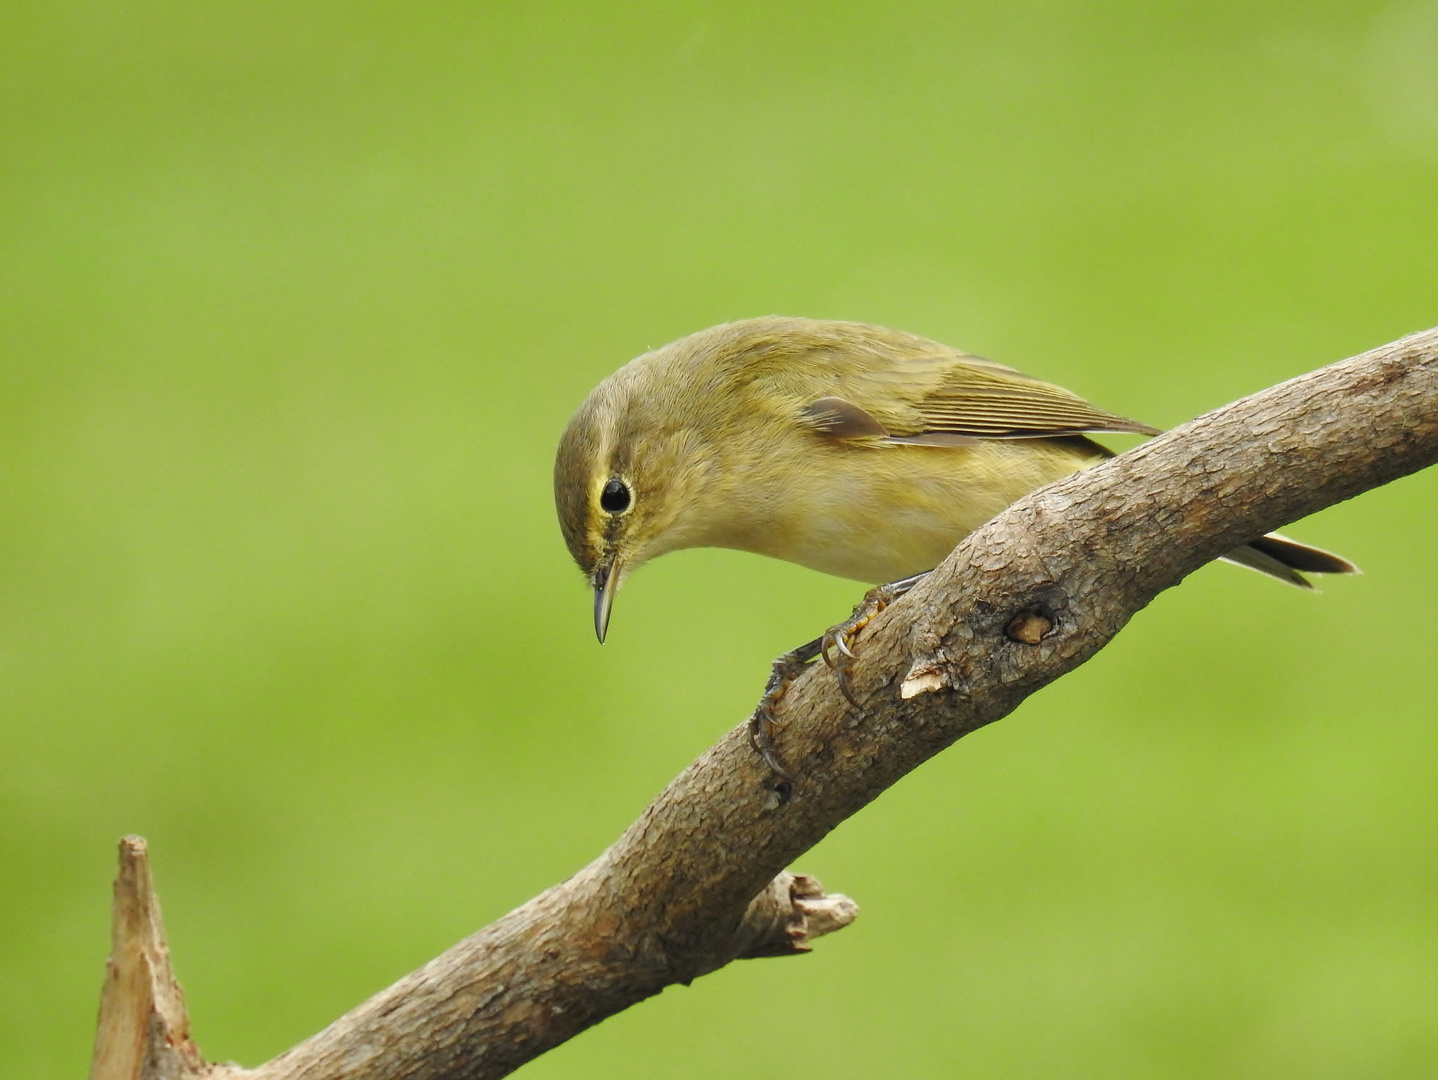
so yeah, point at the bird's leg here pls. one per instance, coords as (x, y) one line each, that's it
(840, 638)
(791, 665)
(785, 670)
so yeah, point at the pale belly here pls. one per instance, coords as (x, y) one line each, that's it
(879, 514)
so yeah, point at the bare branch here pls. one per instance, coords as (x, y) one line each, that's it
(1026, 598)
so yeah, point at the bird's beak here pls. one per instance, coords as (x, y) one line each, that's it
(605, 586)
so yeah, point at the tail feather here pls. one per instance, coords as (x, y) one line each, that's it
(1282, 558)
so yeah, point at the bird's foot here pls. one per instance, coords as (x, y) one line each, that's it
(840, 638)
(791, 665)
(762, 723)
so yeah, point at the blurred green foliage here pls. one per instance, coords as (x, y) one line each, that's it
(296, 300)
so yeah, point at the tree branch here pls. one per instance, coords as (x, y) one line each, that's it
(1023, 600)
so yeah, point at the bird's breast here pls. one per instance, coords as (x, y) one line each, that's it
(880, 513)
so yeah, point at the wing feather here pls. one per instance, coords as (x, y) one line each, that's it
(947, 399)
(988, 401)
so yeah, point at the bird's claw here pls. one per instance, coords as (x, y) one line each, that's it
(788, 667)
(763, 721)
(761, 738)
(839, 638)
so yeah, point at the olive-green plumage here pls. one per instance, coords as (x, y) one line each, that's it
(853, 449)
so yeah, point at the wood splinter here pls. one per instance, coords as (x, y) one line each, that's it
(144, 1028)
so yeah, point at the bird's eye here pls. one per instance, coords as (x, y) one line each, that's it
(615, 497)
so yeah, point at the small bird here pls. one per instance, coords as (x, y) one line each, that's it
(853, 449)
(848, 448)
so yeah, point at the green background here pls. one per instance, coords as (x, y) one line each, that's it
(295, 300)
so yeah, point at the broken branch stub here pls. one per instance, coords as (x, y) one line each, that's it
(144, 1029)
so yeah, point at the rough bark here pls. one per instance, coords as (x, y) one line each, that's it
(1023, 600)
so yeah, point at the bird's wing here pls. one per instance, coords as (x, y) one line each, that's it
(986, 400)
(952, 399)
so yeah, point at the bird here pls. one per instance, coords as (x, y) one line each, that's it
(853, 449)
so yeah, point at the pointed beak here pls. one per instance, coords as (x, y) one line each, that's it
(605, 586)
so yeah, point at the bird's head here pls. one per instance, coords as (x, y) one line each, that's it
(626, 478)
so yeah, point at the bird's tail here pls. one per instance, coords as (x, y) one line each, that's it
(1288, 560)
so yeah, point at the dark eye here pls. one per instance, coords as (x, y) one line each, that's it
(615, 497)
